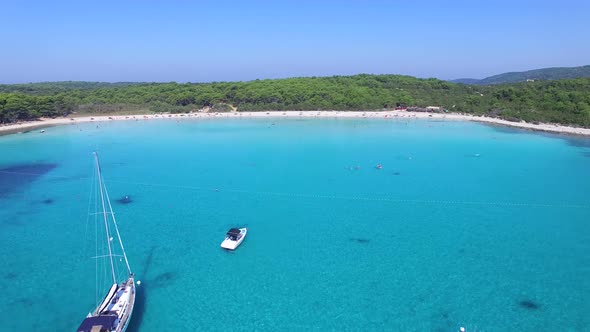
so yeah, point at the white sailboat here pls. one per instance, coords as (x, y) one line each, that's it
(114, 311)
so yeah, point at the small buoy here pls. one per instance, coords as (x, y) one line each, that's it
(111, 239)
(138, 282)
(462, 329)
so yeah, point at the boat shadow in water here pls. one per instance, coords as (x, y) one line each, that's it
(161, 280)
(125, 199)
(10, 276)
(359, 240)
(138, 310)
(19, 218)
(529, 304)
(23, 302)
(140, 299)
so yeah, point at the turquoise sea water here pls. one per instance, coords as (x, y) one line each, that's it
(465, 225)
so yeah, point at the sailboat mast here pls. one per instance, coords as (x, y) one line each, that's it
(104, 214)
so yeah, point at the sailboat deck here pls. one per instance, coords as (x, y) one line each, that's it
(122, 304)
(120, 300)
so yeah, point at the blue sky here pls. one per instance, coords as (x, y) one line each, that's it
(202, 41)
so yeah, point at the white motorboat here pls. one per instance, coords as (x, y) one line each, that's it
(234, 238)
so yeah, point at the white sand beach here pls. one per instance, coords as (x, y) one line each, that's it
(546, 127)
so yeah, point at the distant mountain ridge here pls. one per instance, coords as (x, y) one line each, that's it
(466, 80)
(554, 73)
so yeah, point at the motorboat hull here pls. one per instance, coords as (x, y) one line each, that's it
(230, 244)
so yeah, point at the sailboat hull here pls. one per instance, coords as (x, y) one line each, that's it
(126, 316)
(115, 317)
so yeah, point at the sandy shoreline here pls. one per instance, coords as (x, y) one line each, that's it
(546, 127)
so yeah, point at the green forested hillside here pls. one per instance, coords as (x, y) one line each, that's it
(562, 101)
(556, 73)
(51, 88)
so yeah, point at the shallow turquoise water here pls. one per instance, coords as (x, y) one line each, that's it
(465, 225)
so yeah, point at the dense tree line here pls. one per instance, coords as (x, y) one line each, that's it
(561, 101)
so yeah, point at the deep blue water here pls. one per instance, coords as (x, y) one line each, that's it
(465, 225)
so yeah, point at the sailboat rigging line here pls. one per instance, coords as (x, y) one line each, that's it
(103, 256)
(88, 210)
(92, 199)
(101, 213)
(117, 231)
(100, 185)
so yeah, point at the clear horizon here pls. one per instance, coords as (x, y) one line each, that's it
(223, 41)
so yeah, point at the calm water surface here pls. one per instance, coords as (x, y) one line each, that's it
(465, 225)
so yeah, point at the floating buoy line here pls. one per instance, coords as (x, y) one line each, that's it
(368, 197)
(361, 198)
